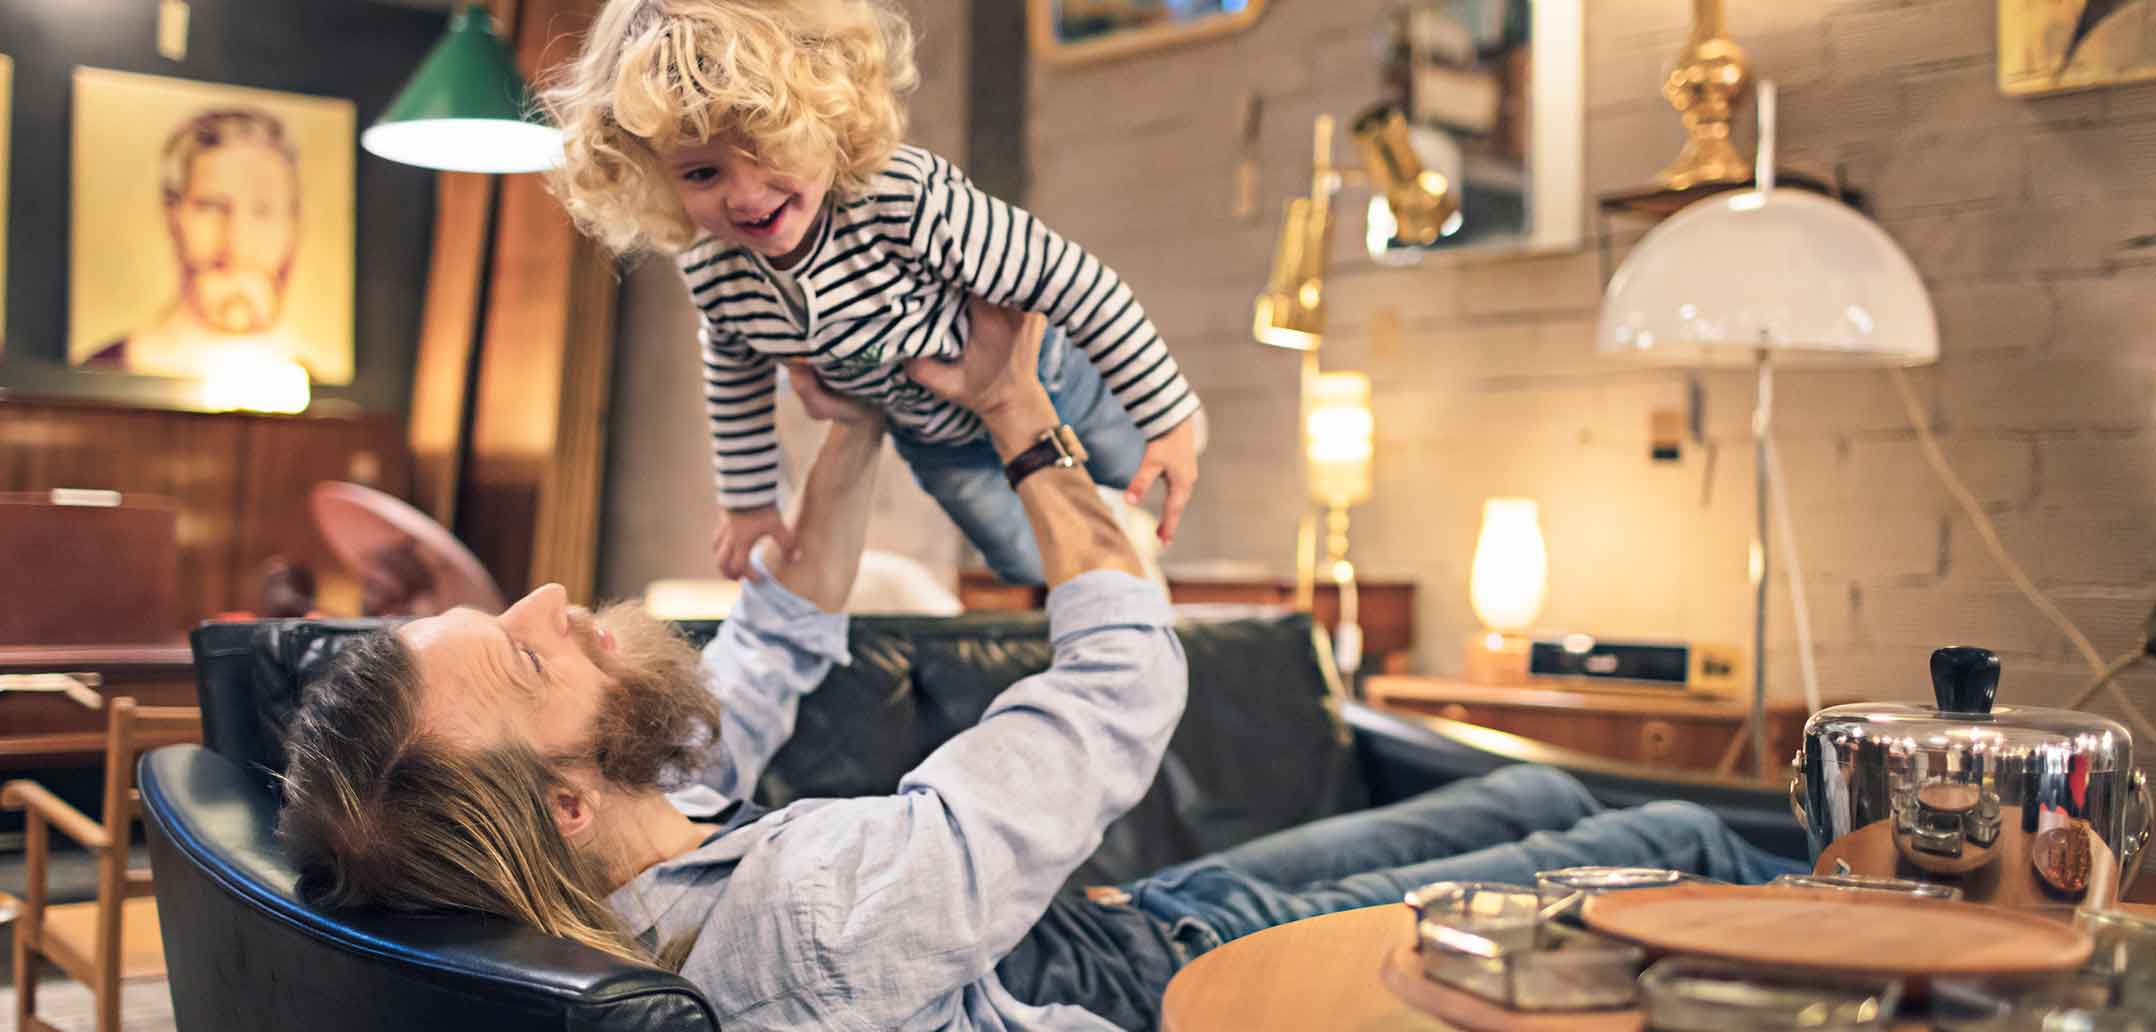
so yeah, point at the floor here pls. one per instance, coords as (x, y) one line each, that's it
(145, 1006)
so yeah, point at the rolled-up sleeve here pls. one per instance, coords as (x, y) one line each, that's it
(773, 649)
(908, 898)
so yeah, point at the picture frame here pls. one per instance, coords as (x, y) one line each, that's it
(1077, 32)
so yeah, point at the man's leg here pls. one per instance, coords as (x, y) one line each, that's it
(1213, 904)
(1503, 806)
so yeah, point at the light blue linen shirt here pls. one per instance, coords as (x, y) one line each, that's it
(891, 912)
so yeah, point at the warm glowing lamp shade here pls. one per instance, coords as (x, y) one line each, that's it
(466, 109)
(1338, 439)
(1510, 577)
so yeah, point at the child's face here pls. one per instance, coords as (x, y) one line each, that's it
(734, 197)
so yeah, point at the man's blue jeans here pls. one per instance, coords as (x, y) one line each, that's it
(1502, 827)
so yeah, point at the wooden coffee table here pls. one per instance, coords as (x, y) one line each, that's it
(1320, 973)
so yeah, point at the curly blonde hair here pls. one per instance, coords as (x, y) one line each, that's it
(804, 84)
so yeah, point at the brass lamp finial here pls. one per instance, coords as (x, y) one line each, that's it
(1709, 80)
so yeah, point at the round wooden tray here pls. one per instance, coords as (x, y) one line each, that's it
(1403, 975)
(1839, 932)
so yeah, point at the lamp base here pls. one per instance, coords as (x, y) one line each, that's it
(1494, 658)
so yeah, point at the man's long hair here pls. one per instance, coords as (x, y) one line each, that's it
(379, 815)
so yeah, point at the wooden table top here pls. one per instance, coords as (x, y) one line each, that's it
(1320, 973)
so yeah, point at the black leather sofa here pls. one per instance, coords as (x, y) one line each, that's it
(1269, 741)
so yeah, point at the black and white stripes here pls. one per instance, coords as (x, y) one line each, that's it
(886, 282)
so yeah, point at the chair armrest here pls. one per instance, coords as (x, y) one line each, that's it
(32, 797)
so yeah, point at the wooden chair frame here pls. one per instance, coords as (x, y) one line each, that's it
(132, 731)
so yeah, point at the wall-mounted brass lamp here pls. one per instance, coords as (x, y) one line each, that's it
(1424, 206)
(1291, 312)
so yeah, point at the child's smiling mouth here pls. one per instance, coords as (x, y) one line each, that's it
(768, 223)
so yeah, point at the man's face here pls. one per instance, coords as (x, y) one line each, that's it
(733, 196)
(617, 695)
(236, 229)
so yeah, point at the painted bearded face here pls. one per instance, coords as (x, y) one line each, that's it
(235, 229)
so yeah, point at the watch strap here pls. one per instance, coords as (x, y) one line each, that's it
(1058, 447)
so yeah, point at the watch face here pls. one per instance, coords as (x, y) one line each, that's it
(1072, 446)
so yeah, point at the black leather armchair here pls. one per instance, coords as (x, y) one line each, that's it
(1268, 742)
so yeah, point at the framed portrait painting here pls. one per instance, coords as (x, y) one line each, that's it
(210, 224)
(2051, 46)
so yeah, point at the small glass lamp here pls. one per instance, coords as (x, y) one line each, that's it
(1507, 586)
(1338, 442)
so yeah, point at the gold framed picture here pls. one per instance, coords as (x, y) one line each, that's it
(211, 224)
(2052, 46)
(1069, 32)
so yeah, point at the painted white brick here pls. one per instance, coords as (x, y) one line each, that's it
(2076, 546)
(1977, 318)
(2046, 394)
(1880, 37)
(2110, 319)
(2098, 472)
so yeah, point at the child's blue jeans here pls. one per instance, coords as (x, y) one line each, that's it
(967, 479)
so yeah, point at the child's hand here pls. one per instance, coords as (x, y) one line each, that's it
(1173, 456)
(739, 530)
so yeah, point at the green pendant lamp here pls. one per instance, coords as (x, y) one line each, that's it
(466, 109)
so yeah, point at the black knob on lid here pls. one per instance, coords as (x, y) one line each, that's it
(1965, 679)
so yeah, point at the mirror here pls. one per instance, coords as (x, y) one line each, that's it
(1079, 31)
(1491, 90)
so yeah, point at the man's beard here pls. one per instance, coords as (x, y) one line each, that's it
(659, 724)
(238, 301)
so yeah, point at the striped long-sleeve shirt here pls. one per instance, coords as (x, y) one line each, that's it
(886, 281)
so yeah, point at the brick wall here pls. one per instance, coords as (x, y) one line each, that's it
(2018, 213)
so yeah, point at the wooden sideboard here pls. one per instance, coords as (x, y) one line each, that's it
(239, 482)
(1645, 726)
(1387, 607)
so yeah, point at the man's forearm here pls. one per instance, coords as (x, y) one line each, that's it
(1073, 527)
(832, 525)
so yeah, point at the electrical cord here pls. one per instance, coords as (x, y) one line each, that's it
(2106, 672)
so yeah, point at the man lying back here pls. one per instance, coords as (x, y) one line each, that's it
(520, 766)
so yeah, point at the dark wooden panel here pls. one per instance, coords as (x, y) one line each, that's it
(285, 458)
(239, 482)
(191, 458)
(88, 573)
(528, 501)
(441, 378)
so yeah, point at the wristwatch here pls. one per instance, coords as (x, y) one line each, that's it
(1058, 447)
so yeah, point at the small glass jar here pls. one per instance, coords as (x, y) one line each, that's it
(2080, 1003)
(1488, 940)
(1562, 891)
(1865, 883)
(1684, 994)
(2125, 956)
